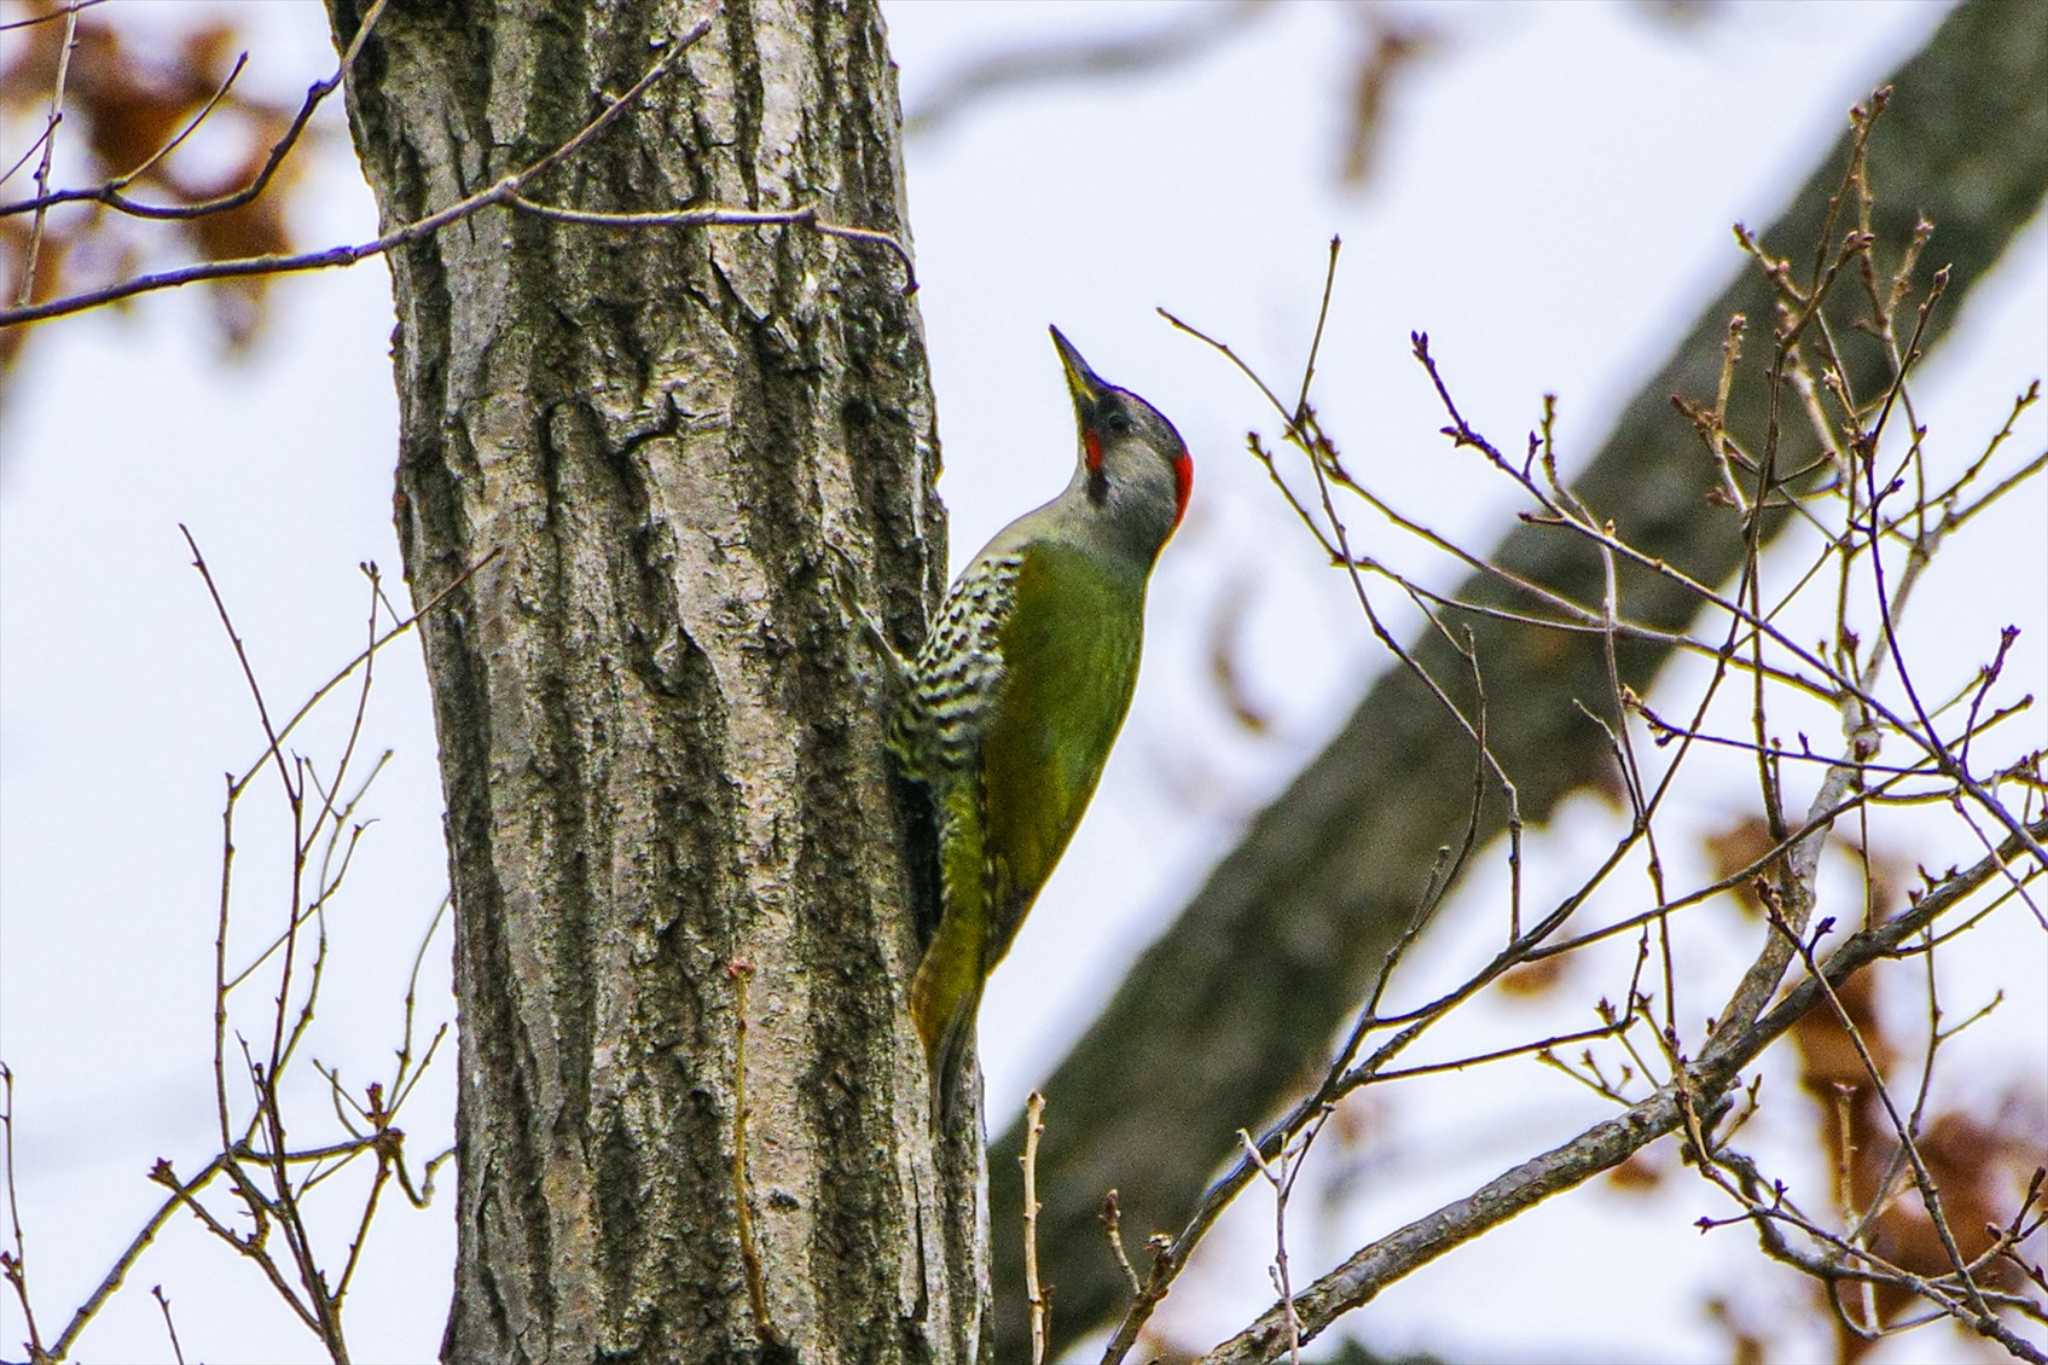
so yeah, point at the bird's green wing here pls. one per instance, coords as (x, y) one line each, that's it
(1070, 651)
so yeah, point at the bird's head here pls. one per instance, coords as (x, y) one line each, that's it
(1134, 468)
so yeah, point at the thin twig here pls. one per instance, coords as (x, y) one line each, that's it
(14, 1263)
(1112, 1222)
(806, 216)
(1609, 1142)
(28, 154)
(177, 1351)
(27, 289)
(179, 137)
(110, 193)
(1034, 1293)
(499, 192)
(342, 674)
(113, 1279)
(61, 12)
(1282, 1182)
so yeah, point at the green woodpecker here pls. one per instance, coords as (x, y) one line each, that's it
(1019, 691)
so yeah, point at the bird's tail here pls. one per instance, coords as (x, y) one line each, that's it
(944, 998)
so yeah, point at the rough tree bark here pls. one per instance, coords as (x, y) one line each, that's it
(1215, 1023)
(692, 1114)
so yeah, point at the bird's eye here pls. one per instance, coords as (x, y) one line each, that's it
(1114, 416)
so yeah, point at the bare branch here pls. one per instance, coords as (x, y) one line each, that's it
(1070, 60)
(110, 192)
(1035, 1295)
(60, 12)
(27, 289)
(500, 192)
(1606, 1144)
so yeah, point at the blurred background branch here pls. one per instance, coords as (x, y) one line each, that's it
(1195, 31)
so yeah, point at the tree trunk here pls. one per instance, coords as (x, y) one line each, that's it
(1218, 1021)
(692, 1121)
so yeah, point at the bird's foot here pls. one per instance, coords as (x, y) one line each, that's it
(842, 580)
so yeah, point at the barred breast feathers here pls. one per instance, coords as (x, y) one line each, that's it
(955, 675)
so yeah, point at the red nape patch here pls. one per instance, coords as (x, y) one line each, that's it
(1094, 445)
(1183, 485)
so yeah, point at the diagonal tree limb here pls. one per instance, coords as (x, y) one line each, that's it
(1604, 1145)
(1217, 1021)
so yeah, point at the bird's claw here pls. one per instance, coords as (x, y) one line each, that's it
(841, 582)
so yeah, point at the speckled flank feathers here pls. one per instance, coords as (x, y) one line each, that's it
(955, 676)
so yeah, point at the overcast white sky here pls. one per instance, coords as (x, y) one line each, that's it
(1552, 204)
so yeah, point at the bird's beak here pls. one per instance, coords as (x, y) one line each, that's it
(1081, 381)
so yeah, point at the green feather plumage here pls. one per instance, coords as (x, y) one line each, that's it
(1016, 698)
(1036, 734)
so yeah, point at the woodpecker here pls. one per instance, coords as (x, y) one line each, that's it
(1011, 706)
